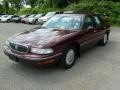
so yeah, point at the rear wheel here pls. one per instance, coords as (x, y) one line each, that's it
(68, 57)
(8, 21)
(104, 41)
(36, 22)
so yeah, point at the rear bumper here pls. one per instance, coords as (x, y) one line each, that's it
(27, 59)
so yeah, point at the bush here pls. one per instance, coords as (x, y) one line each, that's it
(24, 11)
(109, 8)
(36, 10)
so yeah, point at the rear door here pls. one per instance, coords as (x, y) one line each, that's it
(99, 28)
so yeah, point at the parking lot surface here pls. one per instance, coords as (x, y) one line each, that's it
(96, 69)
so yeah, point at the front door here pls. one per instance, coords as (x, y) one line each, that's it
(88, 35)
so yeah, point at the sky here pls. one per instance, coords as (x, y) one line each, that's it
(1, 1)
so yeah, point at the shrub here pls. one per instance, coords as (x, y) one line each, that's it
(109, 8)
(37, 10)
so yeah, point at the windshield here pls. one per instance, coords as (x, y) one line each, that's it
(64, 22)
(4, 16)
(39, 15)
(50, 14)
(9, 16)
(31, 16)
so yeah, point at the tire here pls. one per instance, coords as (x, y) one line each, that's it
(69, 57)
(8, 21)
(104, 41)
(36, 22)
(16, 21)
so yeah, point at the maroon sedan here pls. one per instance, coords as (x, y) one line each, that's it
(60, 40)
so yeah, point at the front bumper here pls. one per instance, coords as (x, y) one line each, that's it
(31, 59)
(3, 20)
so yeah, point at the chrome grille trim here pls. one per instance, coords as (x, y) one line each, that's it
(18, 47)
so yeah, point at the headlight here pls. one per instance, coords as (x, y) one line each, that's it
(41, 51)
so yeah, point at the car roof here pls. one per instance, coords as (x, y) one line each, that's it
(74, 14)
(69, 15)
(81, 12)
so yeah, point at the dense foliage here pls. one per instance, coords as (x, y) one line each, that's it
(109, 7)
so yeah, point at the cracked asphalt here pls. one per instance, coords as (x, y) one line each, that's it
(96, 69)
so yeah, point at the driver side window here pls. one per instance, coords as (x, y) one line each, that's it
(87, 23)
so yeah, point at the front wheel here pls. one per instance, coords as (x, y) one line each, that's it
(68, 57)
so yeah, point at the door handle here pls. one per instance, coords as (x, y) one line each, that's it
(105, 27)
(94, 31)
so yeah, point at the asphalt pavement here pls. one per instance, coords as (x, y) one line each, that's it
(96, 69)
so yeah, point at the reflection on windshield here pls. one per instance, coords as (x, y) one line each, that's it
(38, 15)
(50, 14)
(63, 22)
(31, 16)
(9, 16)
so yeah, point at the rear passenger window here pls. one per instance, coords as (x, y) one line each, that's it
(97, 21)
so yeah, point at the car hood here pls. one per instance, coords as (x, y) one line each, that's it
(4, 18)
(45, 18)
(41, 37)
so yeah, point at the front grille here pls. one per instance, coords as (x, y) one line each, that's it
(18, 47)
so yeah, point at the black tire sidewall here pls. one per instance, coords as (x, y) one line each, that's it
(63, 62)
(102, 41)
(36, 21)
(8, 21)
(106, 40)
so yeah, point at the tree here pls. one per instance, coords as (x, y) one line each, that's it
(16, 3)
(1, 9)
(32, 3)
(6, 5)
(40, 2)
(60, 3)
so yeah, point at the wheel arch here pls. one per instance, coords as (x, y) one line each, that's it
(107, 32)
(77, 46)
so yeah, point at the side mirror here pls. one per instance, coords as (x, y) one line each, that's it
(90, 28)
